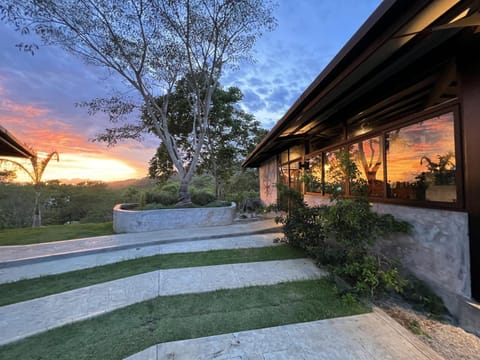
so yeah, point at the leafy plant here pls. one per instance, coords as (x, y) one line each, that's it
(342, 237)
(443, 170)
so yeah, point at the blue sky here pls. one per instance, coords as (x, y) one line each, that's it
(38, 93)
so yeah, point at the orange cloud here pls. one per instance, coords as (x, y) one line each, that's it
(40, 128)
(24, 111)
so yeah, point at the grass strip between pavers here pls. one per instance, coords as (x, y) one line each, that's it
(26, 236)
(134, 328)
(28, 289)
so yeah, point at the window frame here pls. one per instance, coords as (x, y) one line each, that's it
(404, 122)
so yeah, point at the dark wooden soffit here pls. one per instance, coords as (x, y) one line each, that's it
(379, 64)
(11, 146)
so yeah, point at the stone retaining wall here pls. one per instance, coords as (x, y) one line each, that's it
(128, 220)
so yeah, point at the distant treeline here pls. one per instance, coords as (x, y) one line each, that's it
(59, 203)
(91, 202)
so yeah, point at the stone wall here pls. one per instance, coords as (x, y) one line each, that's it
(126, 220)
(268, 174)
(437, 250)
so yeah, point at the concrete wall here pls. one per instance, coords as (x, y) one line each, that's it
(437, 250)
(268, 174)
(132, 221)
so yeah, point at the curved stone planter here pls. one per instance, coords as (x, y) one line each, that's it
(128, 220)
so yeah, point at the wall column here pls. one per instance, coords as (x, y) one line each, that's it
(469, 77)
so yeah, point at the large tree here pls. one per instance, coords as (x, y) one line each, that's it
(151, 44)
(231, 135)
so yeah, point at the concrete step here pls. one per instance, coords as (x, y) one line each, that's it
(27, 254)
(27, 318)
(368, 336)
(82, 260)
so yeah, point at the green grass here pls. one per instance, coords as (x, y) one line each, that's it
(25, 236)
(33, 288)
(129, 330)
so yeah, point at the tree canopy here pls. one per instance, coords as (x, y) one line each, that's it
(151, 44)
(231, 135)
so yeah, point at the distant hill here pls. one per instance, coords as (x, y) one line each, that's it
(138, 183)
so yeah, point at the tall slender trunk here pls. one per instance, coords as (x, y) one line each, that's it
(37, 216)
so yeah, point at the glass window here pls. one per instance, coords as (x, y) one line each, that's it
(335, 172)
(367, 156)
(296, 152)
(295, 176)
(421, 160)
(313, 177)
(284, 157)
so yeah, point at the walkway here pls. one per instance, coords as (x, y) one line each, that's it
(368, 336)
(372, 336)
(27, 318)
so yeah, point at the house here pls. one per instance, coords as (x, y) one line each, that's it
(11, 146)
(402, 100)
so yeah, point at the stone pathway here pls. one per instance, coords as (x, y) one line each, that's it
(367, 336)
(27, 318)
(372, 336)
(14, 271)
(21, 254)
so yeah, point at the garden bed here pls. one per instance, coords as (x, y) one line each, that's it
(128, 220)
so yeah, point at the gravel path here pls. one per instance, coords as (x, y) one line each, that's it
(448, 340)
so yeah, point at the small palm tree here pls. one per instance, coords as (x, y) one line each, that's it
(39, 164)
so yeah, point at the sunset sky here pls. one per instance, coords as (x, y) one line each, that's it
(38, 93)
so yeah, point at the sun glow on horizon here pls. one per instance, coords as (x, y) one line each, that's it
(86, 167)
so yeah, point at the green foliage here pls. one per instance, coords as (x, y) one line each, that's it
(342, 237)
(423, 298)
(158, 197)
(171, 187)
(290, 199)
(205, 183)
(58, 203)
(131, 195)
(202, 198)
(231, 135)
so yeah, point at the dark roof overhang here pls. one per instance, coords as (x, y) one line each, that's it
(394, 37)
(11, 146)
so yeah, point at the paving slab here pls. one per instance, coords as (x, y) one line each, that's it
(372, 336)
(55, 265)
(27, 318)
(18, 254)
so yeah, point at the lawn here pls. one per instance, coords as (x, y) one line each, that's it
(129, 330)
(25, 236)
(33, 288)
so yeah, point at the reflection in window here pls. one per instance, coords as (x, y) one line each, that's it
(367, 155)
(295, 176)
(283, 174)
(421, 161)
(313, 177)
(335, 174)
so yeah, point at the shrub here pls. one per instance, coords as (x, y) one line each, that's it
(342, 237)
(423, 298)
(202, 198)
(171, 188)
(161, 197)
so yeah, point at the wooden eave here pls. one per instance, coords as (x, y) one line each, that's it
(380, 72)
(11, 146)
